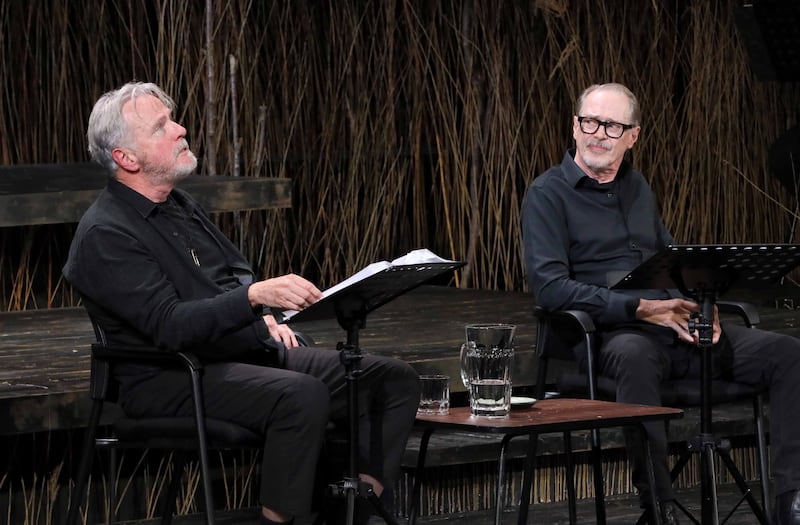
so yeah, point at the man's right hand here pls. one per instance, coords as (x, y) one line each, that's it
(672, 313)
(288, 292)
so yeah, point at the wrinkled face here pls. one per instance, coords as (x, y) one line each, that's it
(157, 142)
(597, 153)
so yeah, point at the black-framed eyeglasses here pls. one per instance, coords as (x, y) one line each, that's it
(614, 130)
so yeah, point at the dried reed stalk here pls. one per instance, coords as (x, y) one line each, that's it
(404, 123)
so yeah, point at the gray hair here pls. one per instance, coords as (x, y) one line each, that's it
(635, 113)
(107, 129)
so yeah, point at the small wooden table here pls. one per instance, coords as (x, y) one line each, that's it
(549, 415)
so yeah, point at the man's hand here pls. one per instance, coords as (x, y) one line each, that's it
(289, 292)
(675, 313)
(280, 332)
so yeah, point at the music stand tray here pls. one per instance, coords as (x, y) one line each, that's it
(351, 304)
(695, 268)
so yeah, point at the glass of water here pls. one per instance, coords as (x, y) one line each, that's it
(486, 360)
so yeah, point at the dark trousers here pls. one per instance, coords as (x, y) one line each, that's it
(639, 360)
(291, 406)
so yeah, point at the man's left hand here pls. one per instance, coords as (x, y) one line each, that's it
(280, 332)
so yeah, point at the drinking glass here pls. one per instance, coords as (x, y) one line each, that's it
(486, 360)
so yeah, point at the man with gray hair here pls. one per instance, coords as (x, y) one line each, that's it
(154, 270)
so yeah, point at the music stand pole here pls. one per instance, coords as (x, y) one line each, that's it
(352, 487)
(703, 323)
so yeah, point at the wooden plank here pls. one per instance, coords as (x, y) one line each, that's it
(60, 193)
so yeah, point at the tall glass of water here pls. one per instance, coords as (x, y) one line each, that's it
(486, 361)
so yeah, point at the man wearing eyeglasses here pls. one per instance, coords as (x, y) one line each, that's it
(594, 217)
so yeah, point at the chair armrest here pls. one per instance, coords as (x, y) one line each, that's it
(144, 355)
(579, 317)
(303, 339)
(563, 319)
(746, 311)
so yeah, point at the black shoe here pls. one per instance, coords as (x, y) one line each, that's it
(669, 513)
(787, 508)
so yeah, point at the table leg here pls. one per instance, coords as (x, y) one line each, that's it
(501, 477)
(527, 480)
(651, 478)
(599, 481)
(423, 450)
(569, 463)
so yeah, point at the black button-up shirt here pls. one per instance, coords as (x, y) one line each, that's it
(581, 236)
(146, 288)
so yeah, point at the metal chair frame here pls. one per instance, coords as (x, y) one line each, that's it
(197, 433)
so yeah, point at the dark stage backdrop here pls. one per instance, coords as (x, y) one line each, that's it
(403, 123)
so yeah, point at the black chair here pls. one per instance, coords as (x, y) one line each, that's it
(558, 335)
(180, 435)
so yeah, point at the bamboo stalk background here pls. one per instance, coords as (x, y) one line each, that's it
(403, 123)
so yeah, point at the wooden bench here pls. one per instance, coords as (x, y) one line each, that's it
(60, 193)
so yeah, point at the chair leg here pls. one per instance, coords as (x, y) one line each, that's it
(413, 509)
(202, 445)
(763, 459)
(168, 503)
(85, 465)
(113, 471)
(205, 472)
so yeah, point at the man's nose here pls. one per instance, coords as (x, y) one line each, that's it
(178, 130)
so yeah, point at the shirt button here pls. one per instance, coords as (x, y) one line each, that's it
(634, 245)
(174, 234)
(610, 195)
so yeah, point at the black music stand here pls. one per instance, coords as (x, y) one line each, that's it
(705, 272)
(350, 307)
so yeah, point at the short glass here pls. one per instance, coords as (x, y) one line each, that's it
(434, 399)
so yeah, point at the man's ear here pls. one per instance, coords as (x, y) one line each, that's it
(633, 136)
(125, 159)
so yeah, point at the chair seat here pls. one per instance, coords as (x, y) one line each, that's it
(678, 392)
(180, 432)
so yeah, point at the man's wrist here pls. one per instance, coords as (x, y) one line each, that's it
(252, 296)
(632, 307)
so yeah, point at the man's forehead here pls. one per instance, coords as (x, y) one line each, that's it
(144, 107)
(606, 103)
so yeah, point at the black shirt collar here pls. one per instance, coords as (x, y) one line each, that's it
(144, 206)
